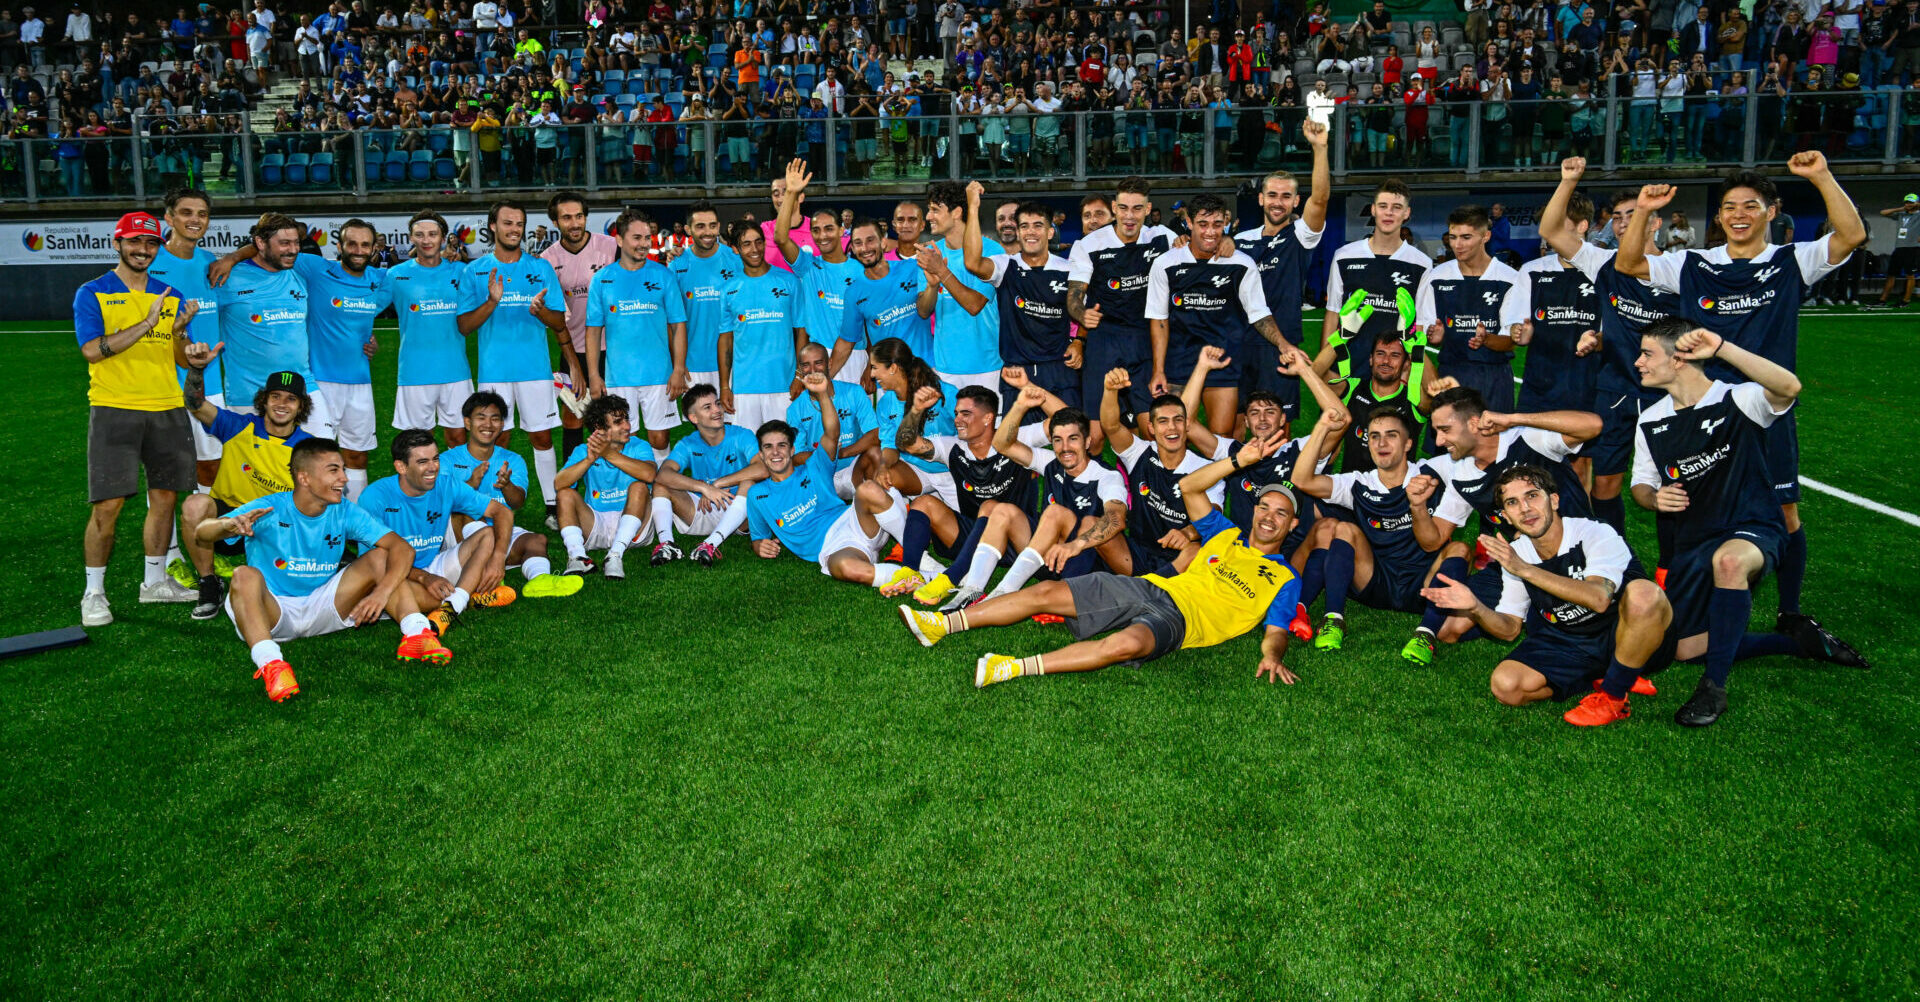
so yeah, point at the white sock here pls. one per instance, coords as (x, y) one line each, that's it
(883, 573)
(414, 625)
(265, 651)
(662, 509)
(730, 523)
(534, 567)
(574, 540)
(96, 581)
(985, 559)
(929, 567)
(156, 571)
(623, 536)
(356, 482)
(459, 600)
(1026, 565)
(544, 467)
(894, 518)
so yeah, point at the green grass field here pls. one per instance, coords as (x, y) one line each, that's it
(749, 782)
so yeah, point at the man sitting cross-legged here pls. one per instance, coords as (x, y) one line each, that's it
(604, 489)
(295, 584)
(419, 504)
(1236, 582)
(500, 474)
(1592, 618)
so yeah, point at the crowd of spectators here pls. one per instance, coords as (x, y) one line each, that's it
(885, 88)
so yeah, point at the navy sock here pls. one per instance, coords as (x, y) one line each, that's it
(1766, 645)
(1456, 569)
(1339, 576)
(571, 439)
(919, 533)
(963, 553)
(1612, 511)
(1727, 613)
(1619, 679)
(1313, 578)
(1791, 571)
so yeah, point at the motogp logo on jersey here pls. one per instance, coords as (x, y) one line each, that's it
(1220, 281)
(1400, 278)
(1766, 274)
(1490, 298)
(1586, 289)
(1056, 287)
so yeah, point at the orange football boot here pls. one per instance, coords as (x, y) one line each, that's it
(424, 647)
(1596, 710)
(280, 681)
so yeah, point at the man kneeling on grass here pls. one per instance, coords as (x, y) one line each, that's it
(1233, 583)
(295, 584)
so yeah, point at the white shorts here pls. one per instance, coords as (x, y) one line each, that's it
(532, 399)
(607, 523)
(353, 414)
(845, 534)
(447, 563)
(710, 378)
(649, 406)
(431, 405)
(309, 615)
(751, 410)
(321, 421)
(854, 368)
(704, 522)
(206, 448)
(962, 380)
(843, 482)
(939, 485)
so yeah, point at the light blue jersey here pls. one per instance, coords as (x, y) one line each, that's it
(605, 486)
(427, 301)
(709, 462)
(761, 313)
(513, 342)
(703, 281)
(856, 419)
(799, 510)
(422, 521)
(263, 320)
(966, 342)
(823, 291)
(188, 276)
(458, 463)
(634, 308)
(890, 409)
(296, 554)
(340, 319)
(880, 308)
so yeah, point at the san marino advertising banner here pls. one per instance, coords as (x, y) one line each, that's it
(91, 241)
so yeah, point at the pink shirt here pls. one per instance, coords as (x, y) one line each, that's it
(575, 271)
(1824, 47)
(802, 235)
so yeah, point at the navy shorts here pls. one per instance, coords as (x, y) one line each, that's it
(1612, 452)
(1259, 370)
(1055, 378)
(1571, 662)
(1149, 558)
(1487, 583)
(1782, 445)
(1093, 380)
(1494, 380)
(1396, 587)
(1103, 602)
(1181, 359)
(1690, 575)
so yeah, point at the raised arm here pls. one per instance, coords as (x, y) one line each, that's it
(970, 243)
(1117, 432)
(797, 178)
(1553, 219)
(1306, 470)
(1631, 260)
(1314, 212)
(907, 438)
(1428, 531)
(1700, 344)
(1199, 435)
(1194, 486)
(1006, 437)
(1849, 231)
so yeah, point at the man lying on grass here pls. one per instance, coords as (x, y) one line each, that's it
(1234, 582)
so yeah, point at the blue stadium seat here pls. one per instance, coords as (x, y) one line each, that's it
(420, 166)
(444, 169)
(612, 75)
(439, 140)
(394, 167)
(273, 170)
(296, 169)
(625, 102)
(320, 169)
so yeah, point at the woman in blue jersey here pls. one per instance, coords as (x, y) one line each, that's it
(898, 374)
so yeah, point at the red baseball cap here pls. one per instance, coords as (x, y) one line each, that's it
(137, 224)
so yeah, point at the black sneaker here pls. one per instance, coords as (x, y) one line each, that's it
(1704, 707)
(208, 604)
(1818, 643)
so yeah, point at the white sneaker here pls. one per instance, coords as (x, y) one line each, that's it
(553, 523)
(95, 610)
(615, 569)
(580, 565)
(167, 590)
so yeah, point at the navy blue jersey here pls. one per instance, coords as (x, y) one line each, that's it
(1211, 302)
(1155, 505)
(1461, 302)
(1562, 304)
(1275, 469)
(1631, 306)
(1531, 446)
(1714, 449)
(1116, 278)
(1589, 551)
(1034, 325)
(1386, 518)
(1356, 266)
(1084, 494)
(1361, 401)
(993, 477)
(1754, 303)
(1283, 258)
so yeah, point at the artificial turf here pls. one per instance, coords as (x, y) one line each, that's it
(749, 782)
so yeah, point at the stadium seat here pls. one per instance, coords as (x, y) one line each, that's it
(320, 169)
(612, 76)
(296, 169)
(420, 166)
(444, 169)
(394, 167)
(625, 102)
(273, 170)
(439, 141)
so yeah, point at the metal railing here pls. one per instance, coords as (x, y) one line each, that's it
(1474, 137)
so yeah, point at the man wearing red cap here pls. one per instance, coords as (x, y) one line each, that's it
(138, 419)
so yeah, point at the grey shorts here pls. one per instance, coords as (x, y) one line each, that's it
(122, 442)
(1104, 602)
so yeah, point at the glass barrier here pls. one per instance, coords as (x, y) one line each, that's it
(64, 168)
(310, 160)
